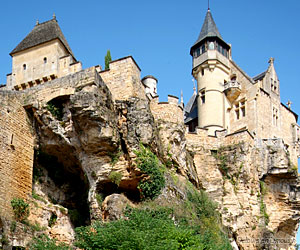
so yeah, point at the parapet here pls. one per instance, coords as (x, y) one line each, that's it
(170, 111)
(123, 79)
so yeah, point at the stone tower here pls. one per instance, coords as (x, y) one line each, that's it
(211, 69)
(43, 55)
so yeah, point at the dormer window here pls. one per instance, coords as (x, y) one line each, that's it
(24, 66)
(45, 60)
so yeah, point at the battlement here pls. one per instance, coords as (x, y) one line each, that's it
(170, 111)
(123, 79)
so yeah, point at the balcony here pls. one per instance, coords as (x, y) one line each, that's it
(232, 90)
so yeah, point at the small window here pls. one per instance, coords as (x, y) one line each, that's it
(24, 66)
(45, 60)
(211, 46)
(275, 116)
(202, 96)
(240, 109)
(202, 49)
(202, 72)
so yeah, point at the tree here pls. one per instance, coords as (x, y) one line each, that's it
(107, 59)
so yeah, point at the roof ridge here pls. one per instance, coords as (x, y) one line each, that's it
(42, 33)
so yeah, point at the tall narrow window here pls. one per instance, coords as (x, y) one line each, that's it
(24, 66)
(275, 116)
(202, 96)
(45, 60)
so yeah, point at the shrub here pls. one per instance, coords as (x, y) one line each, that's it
(20, 209)
(43, 242)
(115, 177)
(151, 185)
(55, 109)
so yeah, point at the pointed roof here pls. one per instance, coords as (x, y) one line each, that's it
(42, 33)
(209, 29)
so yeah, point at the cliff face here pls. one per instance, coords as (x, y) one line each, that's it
(84, 165)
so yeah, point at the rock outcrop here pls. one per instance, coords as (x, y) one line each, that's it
(85, 169)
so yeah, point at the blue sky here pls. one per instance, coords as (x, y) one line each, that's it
(159, 34)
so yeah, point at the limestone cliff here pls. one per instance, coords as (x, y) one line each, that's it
(84, 165)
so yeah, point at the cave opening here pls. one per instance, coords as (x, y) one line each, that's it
(62, 179)
(129, 189)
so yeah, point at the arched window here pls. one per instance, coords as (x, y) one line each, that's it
(24, 66)
(211, 46)
(45, 60)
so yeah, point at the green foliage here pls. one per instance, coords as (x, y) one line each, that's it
(99, 199)
(4, 240)
(148, 230)
(37, 174)
(107, 59)
(37, 197)
(115, 177)
(52, 220)
(151, 185)
(13, 226)
(55, 109)
(115, 157)
(263, 211)
(20, 209)
(43, 242)
(75, 217)
(93, 174)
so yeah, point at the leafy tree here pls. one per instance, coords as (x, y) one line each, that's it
(107, 59)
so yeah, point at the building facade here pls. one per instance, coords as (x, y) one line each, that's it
(227, 99)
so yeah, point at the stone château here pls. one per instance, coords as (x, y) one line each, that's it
(234, 138)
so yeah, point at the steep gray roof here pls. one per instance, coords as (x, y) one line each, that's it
(260, 76)
(191, 109)
(42, 33)
(209, 28)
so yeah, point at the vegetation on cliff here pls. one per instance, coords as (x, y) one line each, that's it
(193, 224)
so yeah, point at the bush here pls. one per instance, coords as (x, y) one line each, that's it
(43, 242)
(20, 208)
(144, 229)
(152, 184)
(55, 109)
(115, 177)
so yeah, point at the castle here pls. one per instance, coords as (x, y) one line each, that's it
(228, 107)
(228, 99)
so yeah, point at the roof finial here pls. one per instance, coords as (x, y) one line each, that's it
(194, 85)
(37, 22)
(181, 97)
(208, 5)
(289, 103)
(54, 16)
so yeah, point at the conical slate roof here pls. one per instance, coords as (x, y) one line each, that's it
(42, 33)
(209, 29)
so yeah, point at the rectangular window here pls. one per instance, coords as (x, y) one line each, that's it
(202, 96)
(240, 109)
(275, 116)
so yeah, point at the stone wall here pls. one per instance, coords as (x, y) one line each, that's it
(16, 147)
(123, 79)
(169, 111)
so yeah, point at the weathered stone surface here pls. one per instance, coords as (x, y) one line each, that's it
(113, 207)
(255, 186)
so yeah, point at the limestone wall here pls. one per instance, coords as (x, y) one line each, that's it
(16, 147)
(123, 79)
(41, 94)
(167, 111)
